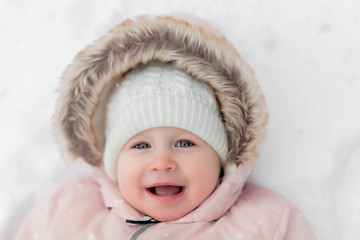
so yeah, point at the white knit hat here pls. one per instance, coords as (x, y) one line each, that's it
(158, 95)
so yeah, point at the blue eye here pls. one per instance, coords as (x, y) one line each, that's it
(142, 146)
(184, 143)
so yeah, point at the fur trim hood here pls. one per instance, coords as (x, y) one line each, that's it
(203, 53)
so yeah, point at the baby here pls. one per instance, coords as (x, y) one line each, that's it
(169, 116)
(172, 161)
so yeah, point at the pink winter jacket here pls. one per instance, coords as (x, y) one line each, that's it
(91, 207)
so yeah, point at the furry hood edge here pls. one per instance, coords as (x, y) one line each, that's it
(86, 84)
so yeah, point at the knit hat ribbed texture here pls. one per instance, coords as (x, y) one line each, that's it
(158, 95)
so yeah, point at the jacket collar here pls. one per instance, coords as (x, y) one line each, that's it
(214, 207)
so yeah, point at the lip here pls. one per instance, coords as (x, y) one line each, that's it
(165, 198)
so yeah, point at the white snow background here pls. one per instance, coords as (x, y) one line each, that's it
(305, 54)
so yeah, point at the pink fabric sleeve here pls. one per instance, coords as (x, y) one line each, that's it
(66, 208)
(36, 222)
(293, 225)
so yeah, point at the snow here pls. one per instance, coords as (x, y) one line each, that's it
(305, 55)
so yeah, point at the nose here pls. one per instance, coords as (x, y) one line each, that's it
(163, 162)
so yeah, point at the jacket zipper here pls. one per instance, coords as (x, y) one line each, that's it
(141, 230)
(146, 222)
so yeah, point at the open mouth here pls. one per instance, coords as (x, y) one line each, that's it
(165, 190)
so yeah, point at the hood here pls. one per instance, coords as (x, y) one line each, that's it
(201, 52)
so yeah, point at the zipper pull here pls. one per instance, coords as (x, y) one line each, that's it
(143, 220)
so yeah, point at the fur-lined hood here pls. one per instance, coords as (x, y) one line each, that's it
(204, 54)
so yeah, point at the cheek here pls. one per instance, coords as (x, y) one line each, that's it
(204, 173)
(128, 175)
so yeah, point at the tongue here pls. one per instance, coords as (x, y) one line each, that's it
(167, 190)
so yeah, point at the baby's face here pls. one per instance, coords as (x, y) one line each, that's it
(167, 172)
